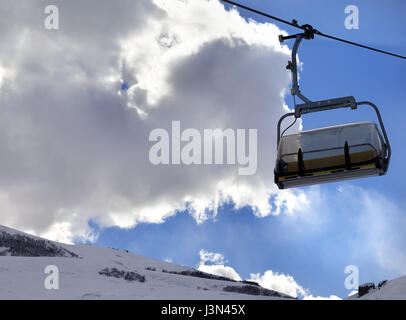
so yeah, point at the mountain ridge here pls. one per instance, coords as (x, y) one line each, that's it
(92, 272)
(87, 271)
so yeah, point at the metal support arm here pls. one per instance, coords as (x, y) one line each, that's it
(345, 102)
(292, 65)
(388, 147)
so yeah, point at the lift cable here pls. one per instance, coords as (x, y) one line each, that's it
(306, 27)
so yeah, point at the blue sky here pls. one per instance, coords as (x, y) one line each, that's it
(316, 248)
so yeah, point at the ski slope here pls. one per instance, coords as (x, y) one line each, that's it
(83, 275)
(392, 290)
(23, 277)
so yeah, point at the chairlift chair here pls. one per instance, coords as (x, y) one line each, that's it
(328, 154)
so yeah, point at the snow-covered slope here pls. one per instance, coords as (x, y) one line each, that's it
(15, 243)
(91, 272)
(391, 290)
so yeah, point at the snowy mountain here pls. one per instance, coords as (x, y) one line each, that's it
(29, 263)
(92, 272)
(15, 243)
(386, 290)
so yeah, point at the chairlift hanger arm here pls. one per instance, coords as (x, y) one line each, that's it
(308, 34)
(292, 65)
(310, 106)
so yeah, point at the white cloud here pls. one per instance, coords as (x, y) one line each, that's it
(2, 75)
(286, 284)
(211, 257)
(216, 265)
(372, 224)
(381, 226)
(279, 282)
(75, 150)
(220, 270)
